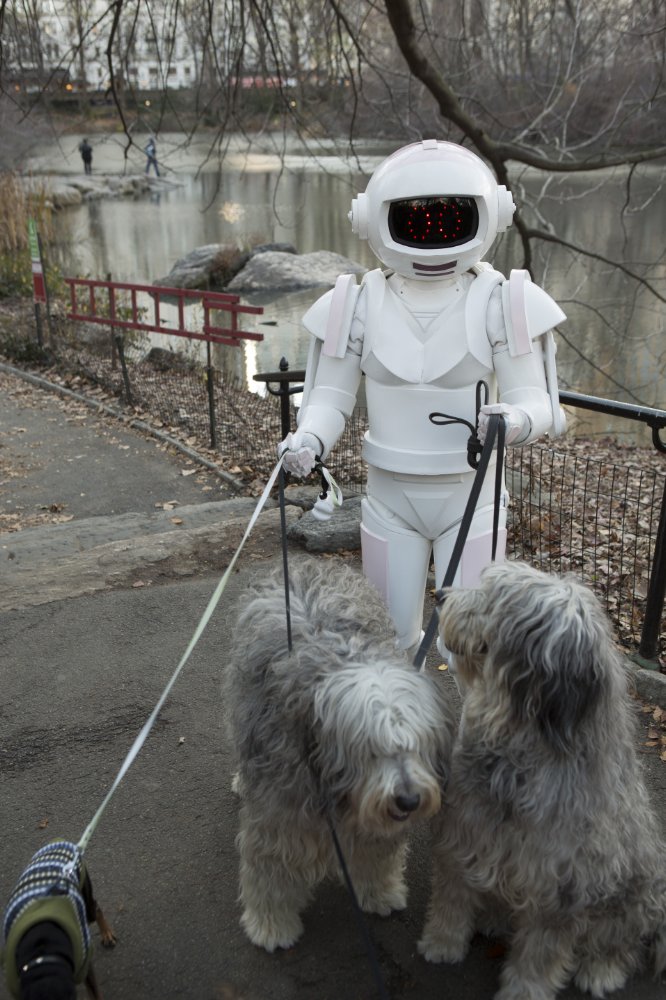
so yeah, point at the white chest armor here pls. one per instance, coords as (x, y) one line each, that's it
(413, 369)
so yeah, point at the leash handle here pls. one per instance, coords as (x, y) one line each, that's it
(465, 524)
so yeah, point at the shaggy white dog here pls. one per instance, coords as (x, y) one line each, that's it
(546, 812)
(342, 727)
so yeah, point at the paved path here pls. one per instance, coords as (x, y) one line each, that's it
(96, 613)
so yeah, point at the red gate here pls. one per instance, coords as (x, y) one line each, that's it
(117, 307)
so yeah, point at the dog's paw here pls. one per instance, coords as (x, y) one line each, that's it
(108, 939)
(107, 934)
(383, 901)
(439, 948)
(266, 931)
(600, 977)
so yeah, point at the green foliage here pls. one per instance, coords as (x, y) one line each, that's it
(16, 208)
(15, 274)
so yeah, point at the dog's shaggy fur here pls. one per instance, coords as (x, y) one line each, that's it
(342, 727)
(546, 812)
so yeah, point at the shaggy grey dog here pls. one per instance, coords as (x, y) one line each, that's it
(546, 812)
(342, 727)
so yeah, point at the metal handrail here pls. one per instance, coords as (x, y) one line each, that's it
(654, 418)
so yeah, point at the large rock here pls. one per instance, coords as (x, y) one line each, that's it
(342, 532)
(204, 267)
(282, 272)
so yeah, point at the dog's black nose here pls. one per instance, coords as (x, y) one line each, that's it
(408, 803)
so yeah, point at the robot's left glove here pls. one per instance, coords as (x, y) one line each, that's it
(300, 451)
(516, 422)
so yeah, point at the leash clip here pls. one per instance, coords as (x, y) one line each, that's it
(330, 496)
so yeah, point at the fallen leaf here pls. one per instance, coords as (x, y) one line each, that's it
(188, 472)
(176, 520)
(43, 823)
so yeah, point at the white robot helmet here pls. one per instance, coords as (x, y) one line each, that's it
(431, 209)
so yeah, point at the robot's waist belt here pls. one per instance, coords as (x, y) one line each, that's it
(414, 461)
(401, 436)
(399, 416)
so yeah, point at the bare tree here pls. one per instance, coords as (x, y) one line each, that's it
(559, 96)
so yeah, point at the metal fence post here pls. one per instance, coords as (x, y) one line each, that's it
(285, 393)
(654, 607)
(284, 378)
(210, 383)
(118, 340)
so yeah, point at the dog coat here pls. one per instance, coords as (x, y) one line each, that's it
(48, 889)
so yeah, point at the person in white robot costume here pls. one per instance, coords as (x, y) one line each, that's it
(425, 333)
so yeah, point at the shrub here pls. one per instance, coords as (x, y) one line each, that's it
(16, 207)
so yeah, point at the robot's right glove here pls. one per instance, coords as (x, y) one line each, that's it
(517, 422)
(300, 451)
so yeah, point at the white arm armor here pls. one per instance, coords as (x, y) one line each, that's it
(333, 369)
(520, 321)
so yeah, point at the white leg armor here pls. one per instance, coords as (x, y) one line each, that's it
(395, 560)
(405, 520)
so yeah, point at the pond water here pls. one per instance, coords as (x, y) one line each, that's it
(611, 346)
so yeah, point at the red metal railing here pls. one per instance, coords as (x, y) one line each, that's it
(118, 308)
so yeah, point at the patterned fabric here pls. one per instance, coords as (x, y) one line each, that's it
(55, 873)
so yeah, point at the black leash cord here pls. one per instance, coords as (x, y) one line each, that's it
(465, 524)
(285, 561)
(499, 468)
(358, 912)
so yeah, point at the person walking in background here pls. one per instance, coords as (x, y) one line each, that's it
(151, 153)
(85, 149)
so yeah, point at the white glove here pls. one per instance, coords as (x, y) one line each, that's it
(301, 450)
(516, 422)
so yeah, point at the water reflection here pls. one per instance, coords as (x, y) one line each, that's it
(612, 345)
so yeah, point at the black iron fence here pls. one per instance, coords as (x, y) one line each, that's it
(571, 511)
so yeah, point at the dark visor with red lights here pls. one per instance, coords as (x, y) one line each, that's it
(433, 223)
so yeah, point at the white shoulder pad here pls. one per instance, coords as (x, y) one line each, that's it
(528, 311)
(331, 316)
(316, 318)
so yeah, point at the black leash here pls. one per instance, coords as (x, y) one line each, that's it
(358, 913)
(499, 468)
(285, 561)
(494, 423)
